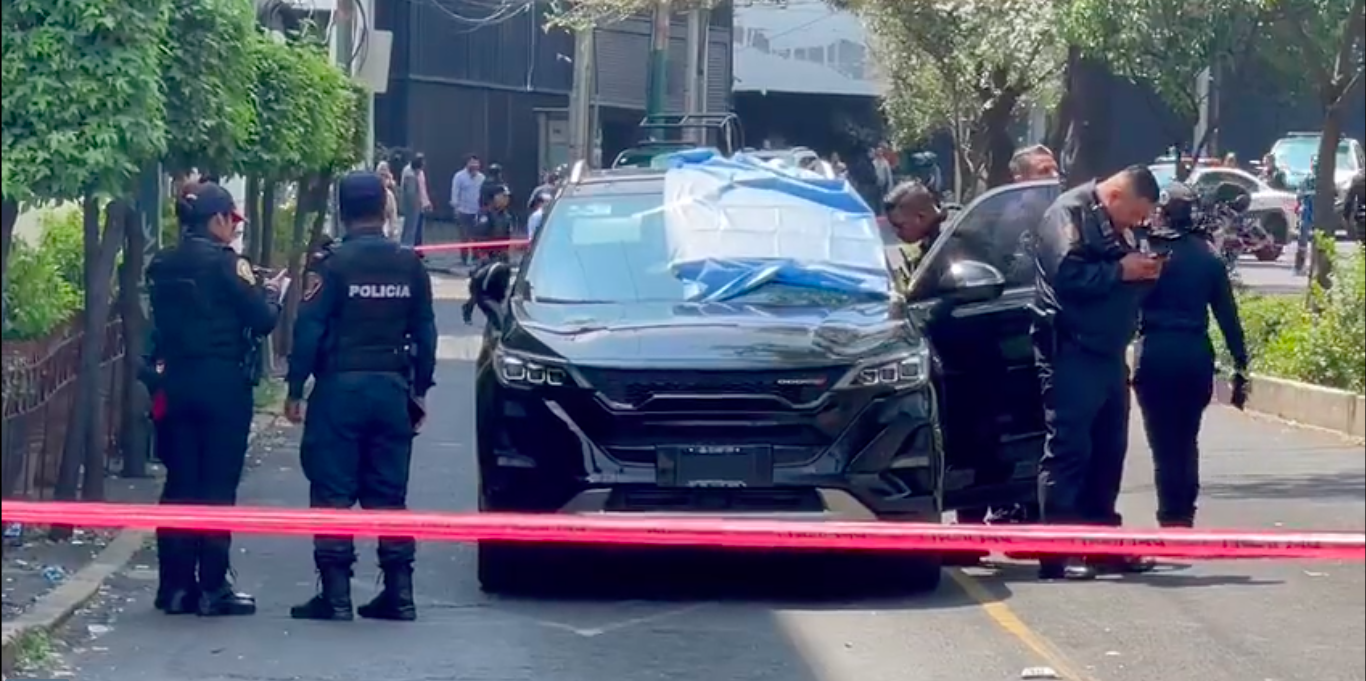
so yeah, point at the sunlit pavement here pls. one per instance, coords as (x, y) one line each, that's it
(1278, 277)
(1210, 622)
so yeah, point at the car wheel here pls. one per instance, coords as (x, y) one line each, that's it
(911, 571)
(968, 516)
(1276, 227)
(1269, 253)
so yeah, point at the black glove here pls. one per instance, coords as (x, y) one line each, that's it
(1241, 388)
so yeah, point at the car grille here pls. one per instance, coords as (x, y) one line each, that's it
(774, 500)
(635, 388)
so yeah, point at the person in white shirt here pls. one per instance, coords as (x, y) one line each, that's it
(538, 204)
(466, 187)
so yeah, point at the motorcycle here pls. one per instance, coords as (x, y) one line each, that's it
(1236, 235)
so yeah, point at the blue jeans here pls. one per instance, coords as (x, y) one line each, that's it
(1306, 222)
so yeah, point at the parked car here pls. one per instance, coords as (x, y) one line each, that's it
(1275, 211)
(757, 377)
(1295, 151)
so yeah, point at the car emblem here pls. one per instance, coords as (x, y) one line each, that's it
(802, 381)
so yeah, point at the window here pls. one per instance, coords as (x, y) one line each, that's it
(991, 230)
(1211, 179)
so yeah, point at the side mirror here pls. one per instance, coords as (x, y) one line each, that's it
(970, 281)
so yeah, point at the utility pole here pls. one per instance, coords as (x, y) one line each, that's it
(369, 29)
(696, 82)
(581, 137)
(659, 60)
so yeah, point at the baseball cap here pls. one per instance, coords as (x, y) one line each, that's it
(361, 195)
(199, 202)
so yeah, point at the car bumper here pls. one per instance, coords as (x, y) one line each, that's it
(544, 454)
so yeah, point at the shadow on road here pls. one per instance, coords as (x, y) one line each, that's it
(1338, 486)
(996, 576)
(818, 581)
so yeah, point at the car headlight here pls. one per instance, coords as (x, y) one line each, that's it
(516, 370)
(907, 372)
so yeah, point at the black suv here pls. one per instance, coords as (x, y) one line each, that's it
(602, 390)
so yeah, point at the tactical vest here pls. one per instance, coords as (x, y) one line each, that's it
(370, 331)
(191, 308)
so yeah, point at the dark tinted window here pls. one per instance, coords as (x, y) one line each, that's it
(991, 230)
(1211, 179)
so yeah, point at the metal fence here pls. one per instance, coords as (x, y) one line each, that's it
(39, 388)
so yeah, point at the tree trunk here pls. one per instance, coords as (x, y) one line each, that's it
(305, 204)
(1325, 192)
(1086, 139)
(135, 438)
(268, 200)
(10, 216)
(252, 201)
(84, 442)
(998, 145)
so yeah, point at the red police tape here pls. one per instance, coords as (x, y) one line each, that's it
(654, 530)
(471, 245)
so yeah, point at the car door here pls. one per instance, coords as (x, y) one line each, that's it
(991, 412)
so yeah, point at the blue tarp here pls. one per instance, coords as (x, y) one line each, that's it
(736, 224)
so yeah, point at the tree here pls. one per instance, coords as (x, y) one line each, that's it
(83, 110)
(1319, 43)
(210, 113)
(1166, 46)
(578, 14)
(967, 67)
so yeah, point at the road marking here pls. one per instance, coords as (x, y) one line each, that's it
(1008, 621)
(592, 632)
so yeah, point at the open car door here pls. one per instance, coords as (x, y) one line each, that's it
(973, 297)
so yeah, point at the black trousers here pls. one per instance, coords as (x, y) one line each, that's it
(1086, 412)
(203, 444)
(357, 448)
(1174, 383)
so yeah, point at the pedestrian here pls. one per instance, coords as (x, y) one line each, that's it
(415, 203)
(493, 184)
(1305, 237)
(1272, 175)
(209, 313)
(1354, 204)
(1034, 163)
(538, 205)
(882, 169)
(466, 188)
(393, 227)
(1174, 358)
(1230, 160)
(366, 334)
(495, 221)
(1091, 278)
(547, 187)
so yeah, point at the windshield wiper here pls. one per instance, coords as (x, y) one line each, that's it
(567, 301)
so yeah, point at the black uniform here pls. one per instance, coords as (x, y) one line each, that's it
(366, 332)
(1354, 205)
(1083, 371)
(208, 312)
(1174, 369)
(494, 224)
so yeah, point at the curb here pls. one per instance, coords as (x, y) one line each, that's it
(54, 608)
(1303, 404)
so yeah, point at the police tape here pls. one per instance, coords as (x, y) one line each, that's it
(471, 245)
(703, 532)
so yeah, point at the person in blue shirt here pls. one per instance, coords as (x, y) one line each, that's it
(538, 204)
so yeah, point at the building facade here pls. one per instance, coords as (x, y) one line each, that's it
(466, 79)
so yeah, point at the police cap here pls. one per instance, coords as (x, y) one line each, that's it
(1177, 193)
(201, 201)
(361, 196)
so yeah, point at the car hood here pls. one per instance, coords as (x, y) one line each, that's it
(699, 336)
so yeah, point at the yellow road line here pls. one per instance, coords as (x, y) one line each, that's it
(1008, 621)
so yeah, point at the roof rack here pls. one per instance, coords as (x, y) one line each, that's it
(727, 124)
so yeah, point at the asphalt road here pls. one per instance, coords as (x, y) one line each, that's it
(1278, 277)
(1230, 621)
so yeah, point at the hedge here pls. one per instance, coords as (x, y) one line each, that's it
(1320, 339)
(43, 286)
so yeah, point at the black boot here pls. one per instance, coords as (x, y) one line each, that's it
(224, 602)
(395, 602)
(177, 601)
(333, 601)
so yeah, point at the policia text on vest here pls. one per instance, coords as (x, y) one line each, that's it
(379, 291)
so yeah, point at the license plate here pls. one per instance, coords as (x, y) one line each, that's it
(715, 466)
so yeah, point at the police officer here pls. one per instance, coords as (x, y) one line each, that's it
(367, 335)
(913, 218)
(1354, 204)
(1174, 358)
(1091, 278)
(495, 222)
(208, 312)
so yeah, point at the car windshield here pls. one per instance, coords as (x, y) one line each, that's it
(629, 248)
(1296, 155)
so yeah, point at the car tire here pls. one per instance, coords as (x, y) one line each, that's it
(911, 571)
(509, 568)
(1275, 225)
(1269, 253)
